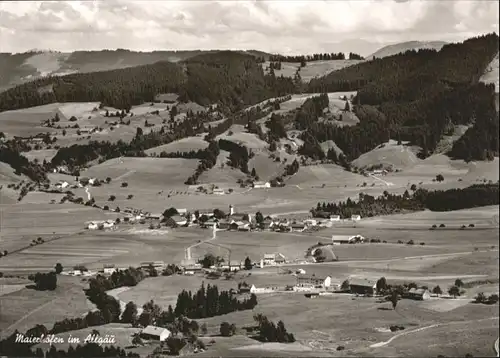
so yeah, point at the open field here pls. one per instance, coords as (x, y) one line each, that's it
(21, 223)
(154, 172)
(181, 145)
(24, 308)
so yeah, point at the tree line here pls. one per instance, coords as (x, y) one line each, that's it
(314, 57)
(420, 199)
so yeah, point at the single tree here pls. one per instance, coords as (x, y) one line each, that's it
(58, 268)
(248, 263)
(130, 313)
(439, 178)
(454, 291)
(381, 284)
(394, 299)
(459, 283)
(227, 330)
(259, 218)
(437, 290)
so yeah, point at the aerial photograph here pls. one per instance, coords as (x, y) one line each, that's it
(254, 178)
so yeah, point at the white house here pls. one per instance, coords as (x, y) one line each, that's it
(218, 191)
(92, 225)
(155, 264)
(233, 266)
(155, 333)
(62, 184)
(108, 224)
(313, 281)
(254, 289)
(355, 217)
(334, 217)
(182, 211)
(108, 269)
(311, 222)
(273, 259)
(261, 184)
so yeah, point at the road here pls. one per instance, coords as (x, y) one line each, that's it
(188, 249)
(383, 181)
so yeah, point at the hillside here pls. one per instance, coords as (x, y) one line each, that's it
(395, 49)
(230, 78)
(23, 67)
(418, 97)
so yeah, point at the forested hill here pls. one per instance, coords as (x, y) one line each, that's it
(418, 96)
(229, 78)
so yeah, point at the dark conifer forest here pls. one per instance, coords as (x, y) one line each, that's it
(417, 96)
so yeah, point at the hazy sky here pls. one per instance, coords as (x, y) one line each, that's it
(274, 26)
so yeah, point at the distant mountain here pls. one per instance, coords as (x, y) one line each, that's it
(405, 46)
(24, 67)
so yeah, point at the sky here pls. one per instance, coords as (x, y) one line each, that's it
(287, 27)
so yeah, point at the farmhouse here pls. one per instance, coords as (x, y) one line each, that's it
(224, 224)
(155, 333)
(209, 223)
(419, 294)
(355, 217)
(108, 269)
(362, 286)
(261, 184)
(298, 226)
(334, 217)
(342, 239)
(254, 289)
(156, 216)
(267, 223)
(218, 191)
(233, 266)
(313, 281)
(179, 220)
(240, 226)
(273, 259)
(311, 222)
(62, 184)
(206, 213)
(182, 211)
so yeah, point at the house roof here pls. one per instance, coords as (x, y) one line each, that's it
(270, 256)
(154, 331)
(260, 182)
(299, 224)
(418, 291)
(177, 218)
(362, 282)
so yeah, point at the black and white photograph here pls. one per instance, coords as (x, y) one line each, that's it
(257, 178)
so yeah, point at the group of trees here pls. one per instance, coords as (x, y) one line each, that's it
(44, 281)
(10, 154)
(210, 302)
(268, 331)
(209, 158)
(238, 154)
(419, 96)
(368, 206)
(420, 199)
